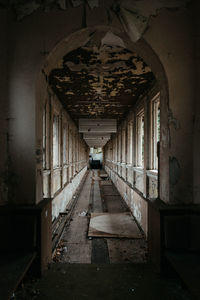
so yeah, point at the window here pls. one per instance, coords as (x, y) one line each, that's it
(45, 137)
(130, 140)
(140, 139)
(155, 134)
(56, 156)
(65, 144)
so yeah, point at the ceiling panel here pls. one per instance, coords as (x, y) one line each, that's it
(100, 80)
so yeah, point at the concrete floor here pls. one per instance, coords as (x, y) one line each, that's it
(76, 247)
(102, 281)
(100, 268)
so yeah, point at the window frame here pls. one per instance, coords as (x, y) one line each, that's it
(140, 132)
(56, 163)
(65, 143)
(155, 127)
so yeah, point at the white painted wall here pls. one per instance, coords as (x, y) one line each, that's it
(62, 199)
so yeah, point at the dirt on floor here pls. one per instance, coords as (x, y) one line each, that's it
(102, 281)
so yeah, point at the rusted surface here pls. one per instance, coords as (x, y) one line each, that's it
(100, 80)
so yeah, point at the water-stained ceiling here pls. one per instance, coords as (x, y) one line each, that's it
(100, 81)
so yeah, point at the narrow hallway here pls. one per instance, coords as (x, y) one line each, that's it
(98, 195)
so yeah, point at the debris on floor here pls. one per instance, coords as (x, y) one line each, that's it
(60, 249)
(83, 214)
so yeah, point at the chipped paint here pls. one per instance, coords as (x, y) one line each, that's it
(104, 81)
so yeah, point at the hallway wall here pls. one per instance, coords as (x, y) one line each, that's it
(173, 42)
(130, 157)
(64, 155)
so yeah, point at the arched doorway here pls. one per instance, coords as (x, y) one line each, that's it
(62, 63)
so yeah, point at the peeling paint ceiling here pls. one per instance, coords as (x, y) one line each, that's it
(101, 82)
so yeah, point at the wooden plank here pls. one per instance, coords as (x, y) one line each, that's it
(119, 225)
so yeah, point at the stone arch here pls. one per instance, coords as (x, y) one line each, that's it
(144, 50)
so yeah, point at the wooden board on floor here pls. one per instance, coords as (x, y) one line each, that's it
(118, 225)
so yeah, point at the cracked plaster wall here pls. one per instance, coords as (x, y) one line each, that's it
(175, 51)
(170, 36)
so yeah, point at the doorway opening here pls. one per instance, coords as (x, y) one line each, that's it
(96, 158)
(102, 93)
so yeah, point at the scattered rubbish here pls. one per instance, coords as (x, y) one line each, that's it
(60, 250)
(83, 214)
